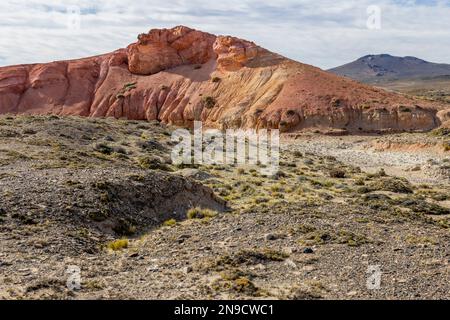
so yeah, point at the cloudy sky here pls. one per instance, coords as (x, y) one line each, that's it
(325, 33)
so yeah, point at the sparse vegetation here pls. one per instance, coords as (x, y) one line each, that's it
(338, 173)
(126, 88)
(92, 180)
(209, 102)
(153, 163)
(170, 223)
(199, 213)
(396, 185)
(124, 227)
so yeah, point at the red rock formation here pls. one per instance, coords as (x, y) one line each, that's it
(181, 75)
(163, 49)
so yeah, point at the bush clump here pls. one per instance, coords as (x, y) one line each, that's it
(118, 245)
(209, 102)
(153, 163)
(170, 223)
(338, 173)
(440, 132)
(395, 185)
(199, 213)
(103, 148)
(424, 207)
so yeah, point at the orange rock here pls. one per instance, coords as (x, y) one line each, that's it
(234, 53)
(167, 48)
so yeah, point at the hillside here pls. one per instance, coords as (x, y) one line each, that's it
(180, 75)
(102, 195)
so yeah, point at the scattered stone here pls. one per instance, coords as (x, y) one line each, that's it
(187, 270)
(290, 263)
(153, 268)
(352, 294)
(270, 237)
(308, 251)
(195, 174)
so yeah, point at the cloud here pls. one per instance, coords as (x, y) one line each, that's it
(325, 33)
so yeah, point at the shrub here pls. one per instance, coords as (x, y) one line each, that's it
(170, 223)
(124, 228)
(127, 87)
(441, 132)
(391, 184)
(446, 146)
(103, 148)
(352, 239)
(199, 213)
(424, 207)
(209, 102)
(118, 245)
(216, 79)
(251, 257)
(338, 173)
(99, 216)
(153, 163)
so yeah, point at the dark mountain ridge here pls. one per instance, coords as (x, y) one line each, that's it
(385, 67)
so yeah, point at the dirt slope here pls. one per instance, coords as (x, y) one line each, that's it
(310, 232)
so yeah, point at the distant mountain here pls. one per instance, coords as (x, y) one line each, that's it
(181, 75)
(384, 67)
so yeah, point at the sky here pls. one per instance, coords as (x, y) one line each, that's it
(324, 33)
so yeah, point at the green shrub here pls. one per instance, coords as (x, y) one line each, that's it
(209, 102)
(441, 132)
(338, 173)
(446, 145)
(424, 207)
(118, 245)
(153, 163)
(103, 148)
(199, 213)
(170, 223)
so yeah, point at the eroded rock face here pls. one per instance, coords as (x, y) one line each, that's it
(234, 53)
(182, 75)
(444, 115)
(163, 49)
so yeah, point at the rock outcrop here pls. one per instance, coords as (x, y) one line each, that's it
(181, 75)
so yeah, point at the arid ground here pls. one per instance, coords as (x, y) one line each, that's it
(103, 195)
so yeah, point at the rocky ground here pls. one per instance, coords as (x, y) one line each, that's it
(103, 196)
